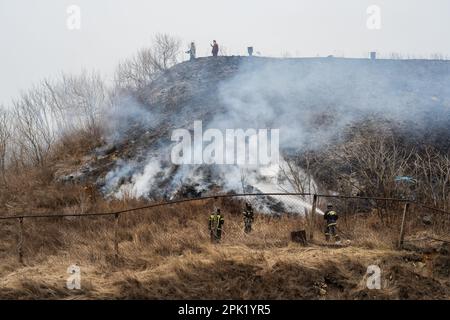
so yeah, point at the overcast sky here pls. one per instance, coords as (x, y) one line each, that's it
(36, 43)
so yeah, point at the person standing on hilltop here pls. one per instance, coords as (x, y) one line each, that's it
(192, 52)
(216, 221)
(215, 48)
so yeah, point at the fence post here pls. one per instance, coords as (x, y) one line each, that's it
(312, 217)
(20, 241)
(402, 228)
(306, 218)
(116, 237)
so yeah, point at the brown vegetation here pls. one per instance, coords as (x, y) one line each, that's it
(165, 253)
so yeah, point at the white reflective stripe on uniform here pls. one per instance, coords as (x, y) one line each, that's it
(332, 224)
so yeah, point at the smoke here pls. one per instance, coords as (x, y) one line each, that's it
(124, 115)
(311, 101)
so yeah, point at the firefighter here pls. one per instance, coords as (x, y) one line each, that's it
(331, 218)
(192, 52)
(215, 48)
(216, 221)
(248, 218)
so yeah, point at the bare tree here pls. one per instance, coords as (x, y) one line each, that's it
(53, 109)
(137, 72)
(166, 51)
(76, 102)
(223, 51)
(297, 171)
(142, 69)
(374, 162)
(33, 125)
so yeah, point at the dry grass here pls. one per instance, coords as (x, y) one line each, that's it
(165, 253)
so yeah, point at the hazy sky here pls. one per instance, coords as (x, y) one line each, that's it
(36, 43)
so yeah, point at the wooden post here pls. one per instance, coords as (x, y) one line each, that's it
(312, 217)
(346, 211)
(402, 228)
(20, 241)
(116, 237)
(306, 218)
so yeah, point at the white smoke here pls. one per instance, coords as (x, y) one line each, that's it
(311, 101)
(125, 113)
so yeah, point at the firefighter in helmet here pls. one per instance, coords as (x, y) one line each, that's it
(248, 218)
(216, 221)
(331, 218)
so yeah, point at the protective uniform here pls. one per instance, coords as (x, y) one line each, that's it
(331, 218)
(248, 218)
(216, 221)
